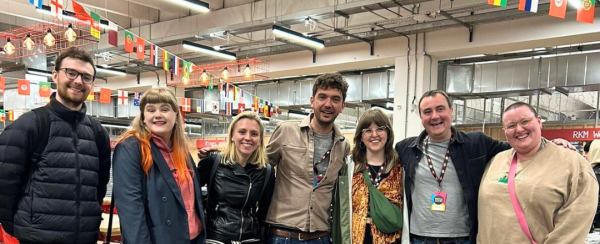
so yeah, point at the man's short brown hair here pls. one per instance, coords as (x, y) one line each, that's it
(74, 53)
(332, 80)
(432, 93)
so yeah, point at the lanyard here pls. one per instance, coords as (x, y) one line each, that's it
(515, 201)
(444, 164)
(320, 176)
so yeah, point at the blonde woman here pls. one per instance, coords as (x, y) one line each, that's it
(240, 184)
(157, 193)
(374, 153)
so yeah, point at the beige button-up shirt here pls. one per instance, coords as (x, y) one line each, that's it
(297, 204)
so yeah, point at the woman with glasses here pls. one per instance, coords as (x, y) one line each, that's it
(156, 190)
(240, 184)
(375, 161)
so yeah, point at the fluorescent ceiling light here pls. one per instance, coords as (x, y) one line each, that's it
(70, 16)
(194, 4)
(39, 72)
(209, 50)
(111, 71)
(297, 38)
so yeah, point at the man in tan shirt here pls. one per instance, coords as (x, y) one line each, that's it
(308, 156)
(555, 187)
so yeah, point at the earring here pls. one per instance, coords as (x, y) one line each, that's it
(361, 145)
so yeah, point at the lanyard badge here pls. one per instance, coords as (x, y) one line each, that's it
(438, 198)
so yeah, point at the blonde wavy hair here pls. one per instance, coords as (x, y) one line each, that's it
(181, 148)
(228, 149)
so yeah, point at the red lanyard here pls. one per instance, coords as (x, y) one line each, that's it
(515, 201)
(444, 164)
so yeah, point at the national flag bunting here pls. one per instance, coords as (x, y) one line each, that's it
(95, 25)
(186, 69)
(37, 3)
(528, 5)
(165, 60)
(91, 95)
(137, 96)
(141, 45)
(56, 7)
(186, 104)
(585, 12)
(2, 115)
(128, 41)
(228, 108)
(266, 109)
(154, 55)
(175, 65)
(11, 115)
(500, 3)
(200, 108)
(123, 97)
(558, 8)
(241, 95)
(80, 13)
(235, 93)
(23, 87)
(226, 89)
(44, 89)
(214, 108)
(2, 84)
(261, 106)
(241, 108)
(113, 34)
(104, 95)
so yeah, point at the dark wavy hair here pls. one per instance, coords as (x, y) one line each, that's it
(74, 53)
(359, 152)
(332, 80)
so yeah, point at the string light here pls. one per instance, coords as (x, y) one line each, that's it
(70, 34)
(49, 39)
(9, 48)
(225, 74)
(247, 72)
(204, 77)
(28, 43)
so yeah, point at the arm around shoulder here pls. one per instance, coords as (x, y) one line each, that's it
(127, 174)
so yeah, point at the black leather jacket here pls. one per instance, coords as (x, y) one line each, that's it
(235, 209)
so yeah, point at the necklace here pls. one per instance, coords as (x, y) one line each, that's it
(378, 173)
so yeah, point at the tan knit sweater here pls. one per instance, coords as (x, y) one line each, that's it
(557, 191)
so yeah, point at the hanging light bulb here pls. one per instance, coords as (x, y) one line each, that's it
(70, 34)
(247, 72)
(28, 43)
(225, 74)
(204, 77)
(9, 48)
(49, 39)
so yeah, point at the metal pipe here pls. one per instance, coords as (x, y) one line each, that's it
(407, 84)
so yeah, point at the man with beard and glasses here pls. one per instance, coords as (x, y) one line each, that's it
(53, 180)
(443, 168)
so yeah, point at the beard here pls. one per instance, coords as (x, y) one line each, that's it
(68, 97)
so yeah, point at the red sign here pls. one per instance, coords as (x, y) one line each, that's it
(572, 134)
(208, 143)
(113, 144)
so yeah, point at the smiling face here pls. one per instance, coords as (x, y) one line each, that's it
(523, 130)
(374, 137)
(160, 119)
(72, 92)
(246, 137)
(327, 105)
(436, 117)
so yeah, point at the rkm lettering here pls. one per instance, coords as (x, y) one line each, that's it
(581, 134)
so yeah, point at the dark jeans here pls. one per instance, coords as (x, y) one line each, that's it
(273, 239)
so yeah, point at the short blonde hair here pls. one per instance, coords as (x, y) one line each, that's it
(228, 150)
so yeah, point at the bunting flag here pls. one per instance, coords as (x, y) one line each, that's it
(23, 87)
(56, 7)
(2, 84)
(37, 3)
(123, 97)
(261, 106)
(241, 95)
(585, 13)
(153, 55)
(2, 115)
(266, 109)
(220, 88)
(11, 115)
(226, 89)
(141, 45)
(500, 3)
(210, 83)
(271, 110)
(44, 90)
(529, 5)
(200, 106)
(175, 65)
(228, 108)
(235, 93)
(91, 95)
(215, 107)
(79, 12)
(186, 105)
(165, 60)
(255, 104)
(241, 108)
(186, 69)
(558, 8)
(113, 34)
(105, 95)
(136, 98)
(95, 25)
(128, 41)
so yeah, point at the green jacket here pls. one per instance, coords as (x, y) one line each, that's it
(341, 226)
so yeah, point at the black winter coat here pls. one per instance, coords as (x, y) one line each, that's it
(470, 153)
(57, 200)
(236, 210)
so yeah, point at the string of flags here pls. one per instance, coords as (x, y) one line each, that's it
(558, 8)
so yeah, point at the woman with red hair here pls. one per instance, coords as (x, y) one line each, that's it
(157, 195)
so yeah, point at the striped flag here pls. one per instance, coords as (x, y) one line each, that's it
(528, 5)
(500, 3)
(37, 3)
(175, 65)
(2, 115)
(226, 89)
(122, 97)
(200, 108)
(235, 93)
(228, 108)
(165, 60)
(153, 55)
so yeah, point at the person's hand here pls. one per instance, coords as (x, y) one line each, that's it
(564, 143)
(203, 152)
